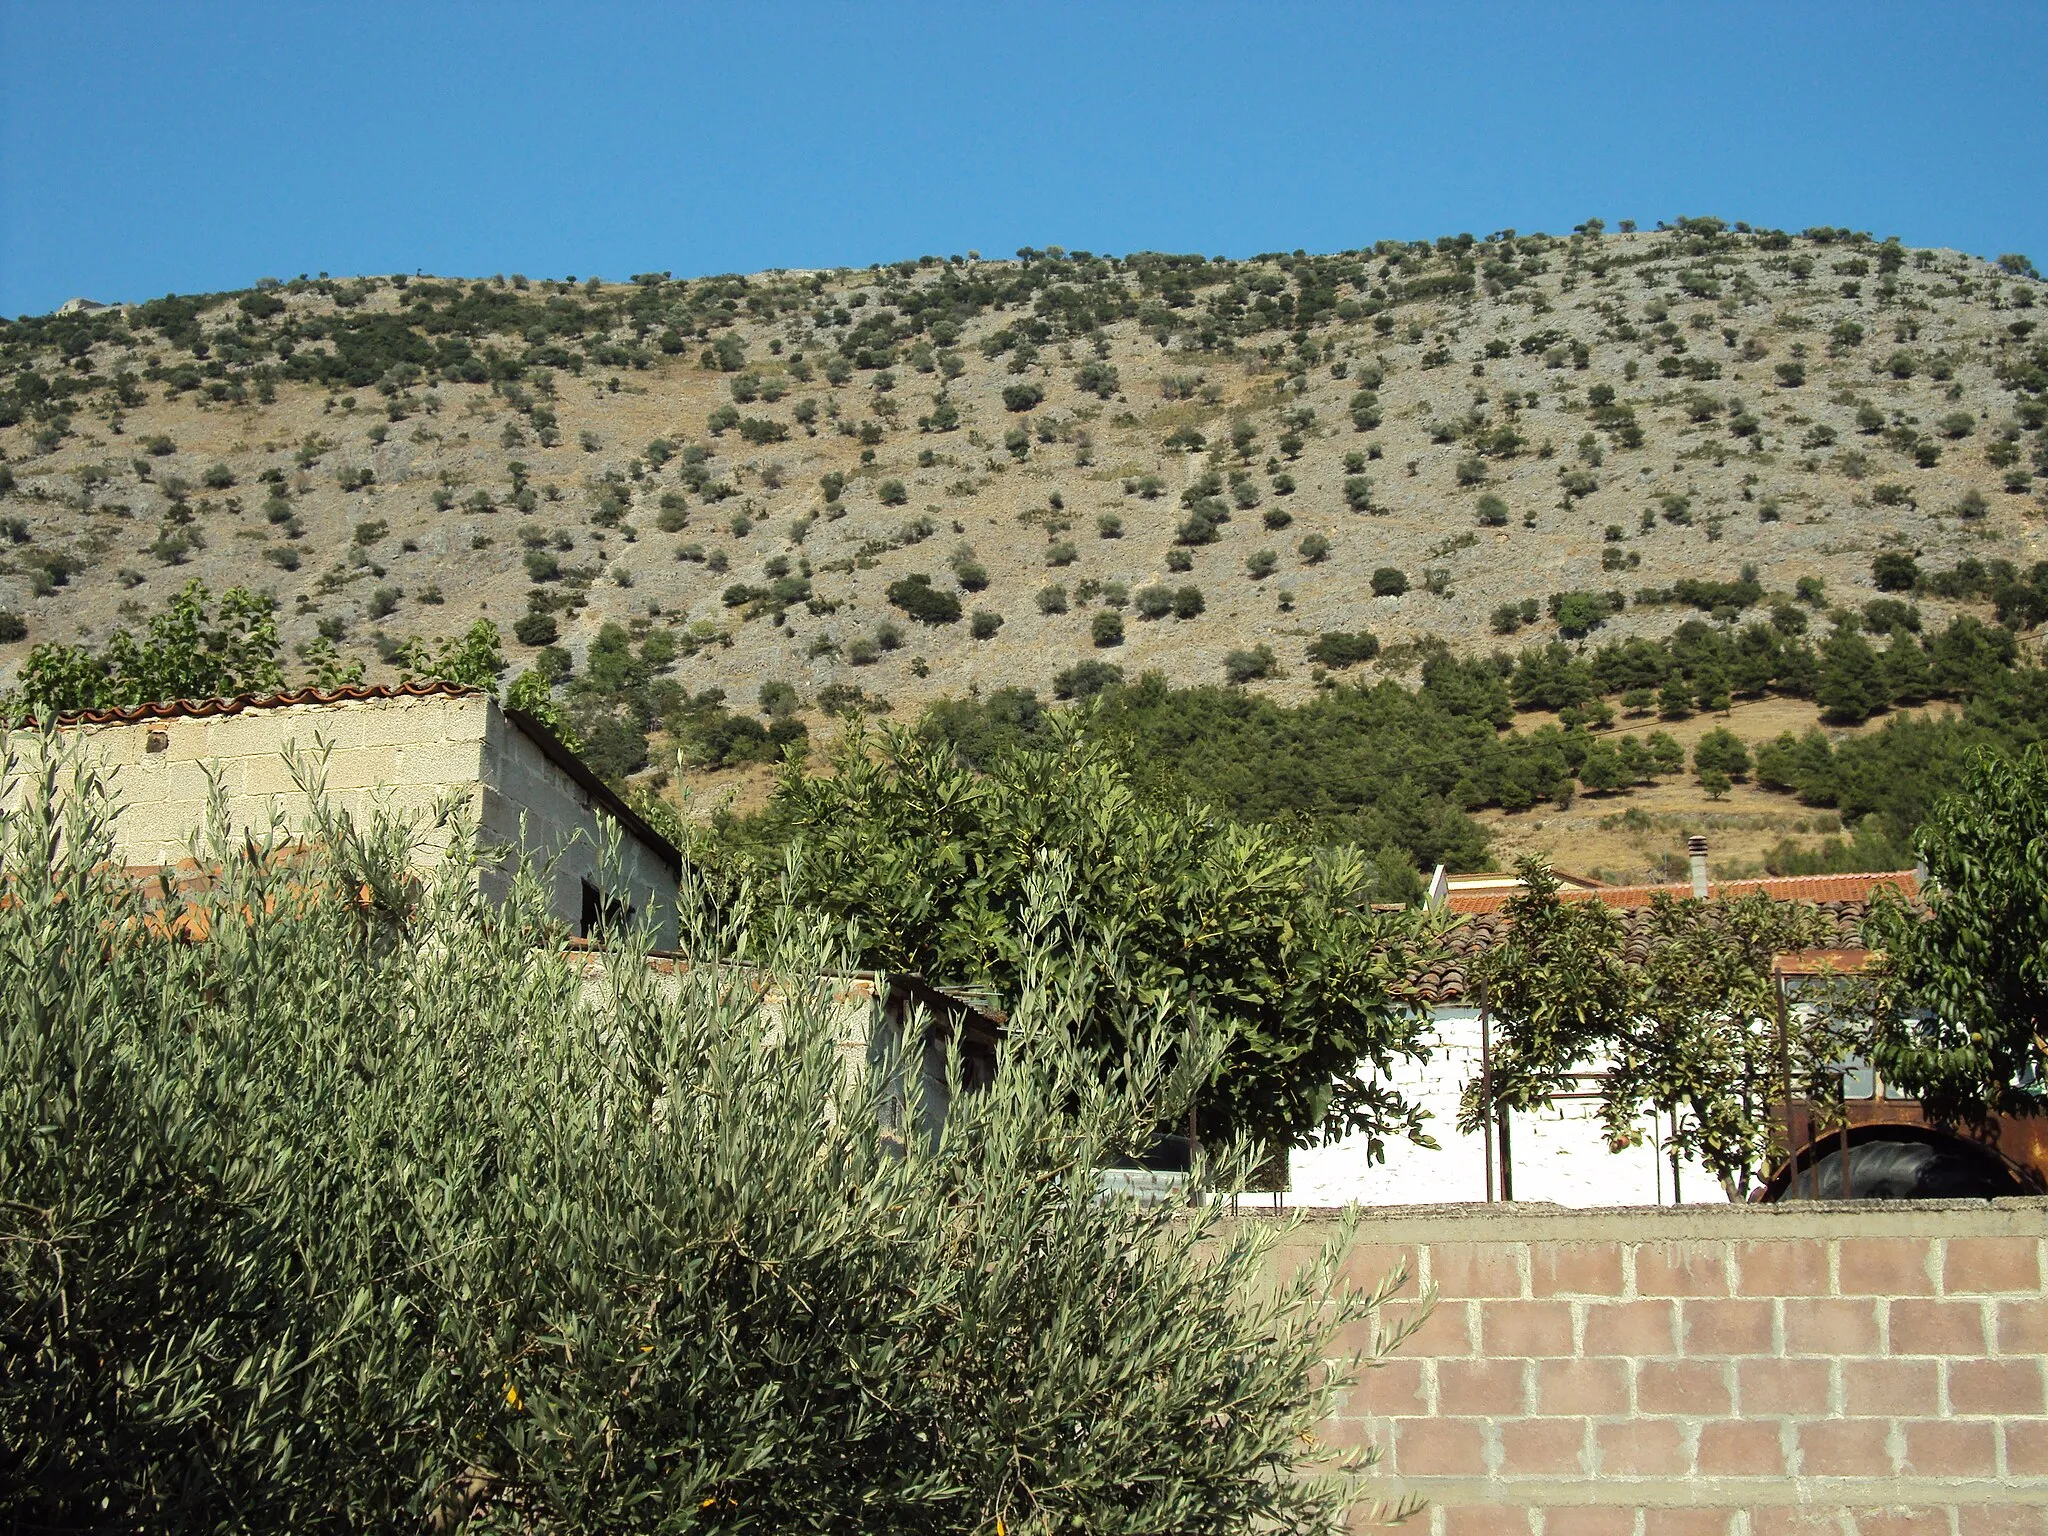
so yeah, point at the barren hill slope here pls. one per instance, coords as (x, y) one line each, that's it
(1154, 461)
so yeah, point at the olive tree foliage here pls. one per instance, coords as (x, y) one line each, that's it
(1273, 940)
(1679, 1019)
(1965, 983)
(336, 1197)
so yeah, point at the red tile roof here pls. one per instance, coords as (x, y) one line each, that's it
(201, 709)
(1844, 900)
(1816, 888)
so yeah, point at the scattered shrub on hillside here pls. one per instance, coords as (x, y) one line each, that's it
(1337, 649)
(922, 601)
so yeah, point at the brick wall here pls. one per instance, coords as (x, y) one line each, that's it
(1739, 1371)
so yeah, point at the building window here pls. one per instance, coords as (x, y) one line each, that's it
(602, 914)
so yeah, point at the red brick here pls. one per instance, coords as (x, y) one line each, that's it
(1978, 1264)
(1937, 1328)
(1891, 1389)
(2022, 1327)
(1479, 1388)
(1791, 1520)
(1526, 1328)
(1350, 1432)
(1952, 1448)
(1439, 1447)
(1484, 1520)
(1741, 1448)
(2001, 1519)
(1543, 1447)
(2026, 1448)
(1782, 1386)
(1994, 1386)
(1831, 1327)
(1596, 1388)
(1474, 1269)
(1845, 1448)
(1446, 1330)
(1589, 1520)
(1395, 1387)
(1686, 1522)
(1902, 1521)
(1631, 1328)
(1366, 1264)
(1641, 1448)
(1886, 1266)
(1692, 1388)
(1783, 1267)
(1728, 1327)
(1681, 1269)
(1575, 1269)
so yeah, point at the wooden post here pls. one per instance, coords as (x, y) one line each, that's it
(1677, 1197)
(1507, 1159)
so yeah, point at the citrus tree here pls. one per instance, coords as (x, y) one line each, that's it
(1271, 939)
(1966, 980)
(1678, 1019)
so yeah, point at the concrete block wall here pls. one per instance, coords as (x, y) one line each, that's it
(528, 801)
(405, 754)
(1740, 1371)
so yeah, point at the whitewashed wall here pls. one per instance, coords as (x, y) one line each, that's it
(1559, 1155)
(408, 755)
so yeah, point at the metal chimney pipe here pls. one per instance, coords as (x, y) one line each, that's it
(1696, 846)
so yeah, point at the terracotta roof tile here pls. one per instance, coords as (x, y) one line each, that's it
(1844, 900)
(1778, 888)
(201, 709)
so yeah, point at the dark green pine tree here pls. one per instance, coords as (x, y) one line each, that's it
(1851, 687)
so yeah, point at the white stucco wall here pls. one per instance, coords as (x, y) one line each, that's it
(1559, 1155)
(407, 755)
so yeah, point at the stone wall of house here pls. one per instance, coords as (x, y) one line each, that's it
(1731, 1371)
(408, 755)
(1559, 1154)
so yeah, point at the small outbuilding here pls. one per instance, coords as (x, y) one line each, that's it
(412, 748)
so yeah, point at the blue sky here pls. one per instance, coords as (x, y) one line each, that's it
(155, 148)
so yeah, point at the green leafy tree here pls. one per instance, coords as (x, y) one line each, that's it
(1967, 980)
(475, 658)
(1681, 1022)
(391, 1214)
(928, 604)
(1701, 1045)
(1557, 988)
(185, 652)
(1275, 942)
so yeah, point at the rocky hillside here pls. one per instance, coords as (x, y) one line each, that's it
(950, 473)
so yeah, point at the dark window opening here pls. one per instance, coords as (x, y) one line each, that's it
(602, 914)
